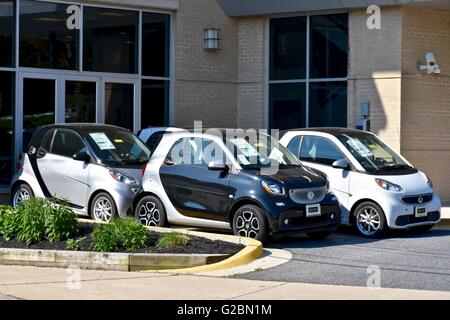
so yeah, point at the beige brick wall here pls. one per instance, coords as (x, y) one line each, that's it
(375, 72)
(205, 85)
(252, 72)
(426, 98)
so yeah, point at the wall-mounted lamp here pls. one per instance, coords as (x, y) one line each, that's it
(430, 65)
(211, 41)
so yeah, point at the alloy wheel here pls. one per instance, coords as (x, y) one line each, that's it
(247, 224)
(103, 209)
(368, 221)
(149, 215)
(20, 195)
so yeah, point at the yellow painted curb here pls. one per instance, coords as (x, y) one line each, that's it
(252, 251)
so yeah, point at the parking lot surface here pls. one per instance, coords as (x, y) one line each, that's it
(405, 260)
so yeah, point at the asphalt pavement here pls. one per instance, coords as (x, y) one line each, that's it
(403, 260)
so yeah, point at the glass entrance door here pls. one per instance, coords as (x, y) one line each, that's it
(120, 101)
(36, 107)
(81, 100)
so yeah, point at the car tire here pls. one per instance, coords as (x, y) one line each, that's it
(151, 212)
(250, 221)
(318, 235)
(20, 193)
(370, 221)
(422, 229)
(103, 208)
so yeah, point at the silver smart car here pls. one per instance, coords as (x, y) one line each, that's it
(95, 168)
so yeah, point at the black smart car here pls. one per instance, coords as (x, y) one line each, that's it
(252, 185)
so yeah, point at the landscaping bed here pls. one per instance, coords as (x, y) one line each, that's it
(195, 245)
(43, 224)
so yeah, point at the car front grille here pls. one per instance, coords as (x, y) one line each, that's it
(416, 199)
(411, 219)
(308, 196)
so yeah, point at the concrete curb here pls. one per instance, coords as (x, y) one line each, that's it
(103, 261)
(252, 251)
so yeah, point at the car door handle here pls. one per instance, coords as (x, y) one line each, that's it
(41, 153)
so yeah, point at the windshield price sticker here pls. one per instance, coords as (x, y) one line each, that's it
(102, 141)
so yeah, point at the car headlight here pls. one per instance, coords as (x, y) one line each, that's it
(273, 188)
(386, 185)
(118, 176)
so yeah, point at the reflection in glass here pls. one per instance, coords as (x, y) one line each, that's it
(6, 33)
(288, 48)
(329, 46)
(119, 102)
(155, 44)
(328, 104)
(80, 101)
(155, 99)
(45, 41)
(287, 106)
(38, 106)
(6, 126)
(110, 40)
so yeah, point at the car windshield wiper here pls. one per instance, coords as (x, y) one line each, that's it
(395, 167)
(138, 160)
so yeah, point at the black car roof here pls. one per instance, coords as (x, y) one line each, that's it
(82, 127)
(335, 131)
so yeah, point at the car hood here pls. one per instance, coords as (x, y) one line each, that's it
(413, 184)
(299, 177)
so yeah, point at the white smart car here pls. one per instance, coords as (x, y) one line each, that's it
(376, 186)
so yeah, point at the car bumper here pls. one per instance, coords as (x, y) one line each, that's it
(292, 218)
(123, 196)
(401, 215)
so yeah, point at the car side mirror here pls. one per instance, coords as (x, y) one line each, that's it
(218, 166)
(81, 156)
(341, 164)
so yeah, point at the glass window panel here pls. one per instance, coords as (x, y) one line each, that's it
(6, 126)
(287, 106)
(319, 150)
(67, 143)
(80, 101)
(38, 106)
(7, 23)
(288, 48)
(155, 44)
(328, 104)
(119, 104)
(155, 101)
(110, 40)
(45, 40)
(329, 46)
(294, 145)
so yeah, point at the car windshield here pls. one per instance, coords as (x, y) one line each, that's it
(118, 146)
(372, 153)
(261, 151)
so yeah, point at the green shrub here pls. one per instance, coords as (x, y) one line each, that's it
(73, 244)
(27, 223)
(121, 234)
(38, 219)
(173, 240)
(60, 223)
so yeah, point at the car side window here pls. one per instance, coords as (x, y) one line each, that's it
(154, 140)
(195, 151)
(47, 141)
(294, 145)
(319, 150)
(67, 143)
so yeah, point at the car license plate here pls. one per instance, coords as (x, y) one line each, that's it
(313, 210)
(421, 212)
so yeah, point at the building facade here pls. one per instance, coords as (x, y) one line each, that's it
(280, 64)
